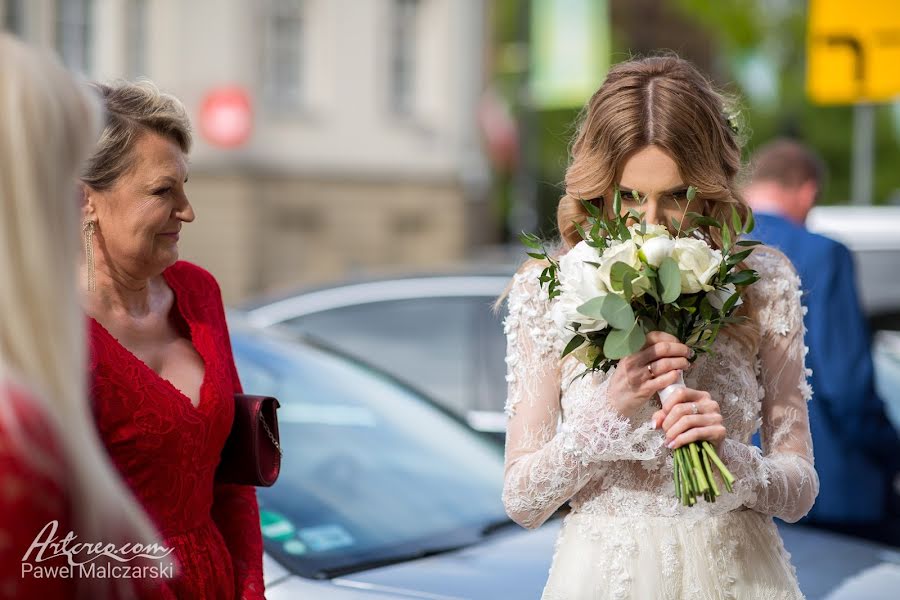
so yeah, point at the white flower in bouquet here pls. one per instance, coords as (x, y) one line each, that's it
(698, 263)
(657, 249)
(651, 230)
(579, 282)
(624, 252)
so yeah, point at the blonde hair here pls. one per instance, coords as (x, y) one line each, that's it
(132, 109)
(49, 125)
(666, 102)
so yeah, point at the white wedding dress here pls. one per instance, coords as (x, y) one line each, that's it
(626, 535)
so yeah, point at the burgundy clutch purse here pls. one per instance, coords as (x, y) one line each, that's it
(252, 452)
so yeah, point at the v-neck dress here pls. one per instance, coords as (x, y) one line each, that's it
(168, 450)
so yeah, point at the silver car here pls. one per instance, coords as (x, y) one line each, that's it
(382, 494)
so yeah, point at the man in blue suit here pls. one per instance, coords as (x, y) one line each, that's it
(857, 450)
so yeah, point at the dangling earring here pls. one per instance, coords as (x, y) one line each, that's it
(88, 230)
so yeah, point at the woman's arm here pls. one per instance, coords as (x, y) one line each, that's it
(779, 480)
(235, 510)
(546, 465)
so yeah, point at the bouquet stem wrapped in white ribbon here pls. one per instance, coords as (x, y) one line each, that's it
(627, 278)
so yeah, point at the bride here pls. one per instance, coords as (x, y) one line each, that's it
(602, 442)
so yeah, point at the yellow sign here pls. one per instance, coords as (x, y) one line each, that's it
(853, 51)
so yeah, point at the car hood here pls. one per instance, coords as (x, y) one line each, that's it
(511, 564)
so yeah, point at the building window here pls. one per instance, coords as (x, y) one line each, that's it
(74, 33)
(136, 40)
(283, 53)
(403, 56)
(14, 16)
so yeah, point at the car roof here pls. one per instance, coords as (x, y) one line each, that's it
(266, 314)
(858, 227)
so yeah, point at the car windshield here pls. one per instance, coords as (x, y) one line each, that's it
(371, 470)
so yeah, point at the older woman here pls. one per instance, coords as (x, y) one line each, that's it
(162, 373)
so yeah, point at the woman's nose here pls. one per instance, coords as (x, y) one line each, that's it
(651, 211)
(185, 212)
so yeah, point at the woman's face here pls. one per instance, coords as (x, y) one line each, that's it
(654, 176)
(139, 218)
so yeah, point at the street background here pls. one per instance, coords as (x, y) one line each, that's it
(346, 137)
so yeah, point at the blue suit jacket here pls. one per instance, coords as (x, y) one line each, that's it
(857, 450)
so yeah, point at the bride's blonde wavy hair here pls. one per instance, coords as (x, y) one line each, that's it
(666, 102)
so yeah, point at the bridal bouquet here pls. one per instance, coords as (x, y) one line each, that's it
(627, 277)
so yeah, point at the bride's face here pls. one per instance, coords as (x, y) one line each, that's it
(654, 176)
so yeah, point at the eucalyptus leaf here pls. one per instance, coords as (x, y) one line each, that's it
(624, 342)
(593, 307)
(691, 193)
(617, 312)
(670, 280)
(619, 272)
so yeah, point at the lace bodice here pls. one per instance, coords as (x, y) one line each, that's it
(564, 442)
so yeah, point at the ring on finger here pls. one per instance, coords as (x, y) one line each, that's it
(694, 409)
(650, 369)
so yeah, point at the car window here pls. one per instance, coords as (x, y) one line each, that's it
(428, 342)
(490, 358)
(370, 468)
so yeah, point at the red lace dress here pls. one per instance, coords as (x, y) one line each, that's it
(168, 450)
(30, 497)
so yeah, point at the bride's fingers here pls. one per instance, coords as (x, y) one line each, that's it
(683, 395)
(712, 433)
(689, 422)
(705, 405)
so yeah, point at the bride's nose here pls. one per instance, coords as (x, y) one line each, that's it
(651, 211)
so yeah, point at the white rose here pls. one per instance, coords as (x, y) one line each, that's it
(697, 263)
(652, 230)
(625, 252)
(578, 283)
(656, 249)
(719, 296)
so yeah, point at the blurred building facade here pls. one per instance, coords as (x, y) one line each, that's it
(365, 151)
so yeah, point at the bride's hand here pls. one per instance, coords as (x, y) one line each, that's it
(639, 376)
(690, 415)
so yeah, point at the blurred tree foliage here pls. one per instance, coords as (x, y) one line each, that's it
(773, 33)
(752, 49)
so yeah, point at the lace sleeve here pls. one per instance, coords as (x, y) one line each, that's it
(779, 480)
(546, 464)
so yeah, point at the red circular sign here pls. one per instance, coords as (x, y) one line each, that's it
(226, 117)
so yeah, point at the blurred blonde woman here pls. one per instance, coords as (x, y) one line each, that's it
(52, 464)
(656, 126)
